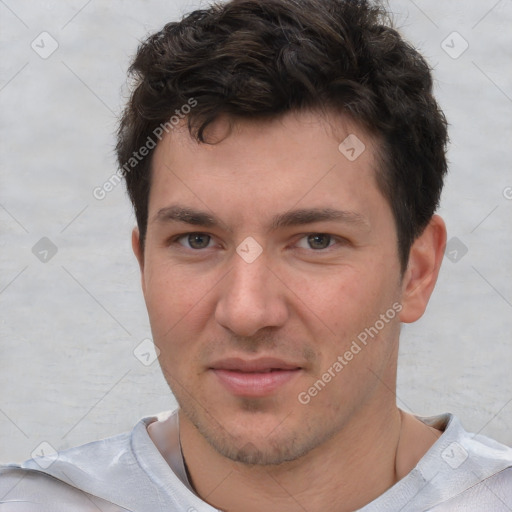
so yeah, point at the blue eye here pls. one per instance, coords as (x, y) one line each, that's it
(195, 240)
(316, 241)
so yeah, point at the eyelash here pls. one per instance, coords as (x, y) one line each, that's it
(176, 239)
(333, 240)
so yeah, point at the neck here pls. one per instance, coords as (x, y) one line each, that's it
(348, 471)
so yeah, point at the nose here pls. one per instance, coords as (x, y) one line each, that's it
(251, 298)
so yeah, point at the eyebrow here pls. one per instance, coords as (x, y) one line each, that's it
(299, 217)
(186, 215)
(310, 215)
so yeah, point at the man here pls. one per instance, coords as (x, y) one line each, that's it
(285, 159)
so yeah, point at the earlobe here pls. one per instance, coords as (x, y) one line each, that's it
(425, 258)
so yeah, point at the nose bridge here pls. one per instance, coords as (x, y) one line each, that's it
(246, 283)
(250, 275)
(250, 299)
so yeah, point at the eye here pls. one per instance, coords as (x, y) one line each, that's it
(316, 241)
(195, 241)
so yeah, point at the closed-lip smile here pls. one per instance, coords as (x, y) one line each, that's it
(256, 377)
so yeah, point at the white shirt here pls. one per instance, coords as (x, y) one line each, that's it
(460, 472)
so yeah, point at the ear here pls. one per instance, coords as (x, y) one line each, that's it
(139, 253)
(425, 258)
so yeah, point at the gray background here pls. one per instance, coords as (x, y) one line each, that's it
(70, 325)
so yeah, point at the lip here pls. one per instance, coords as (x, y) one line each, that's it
(256, 378)
(255, 365)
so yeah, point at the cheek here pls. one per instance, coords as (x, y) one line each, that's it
(173, 299)
(336, 298)
(177, 317)
(346, 302)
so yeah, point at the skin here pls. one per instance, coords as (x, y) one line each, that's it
(302, 304)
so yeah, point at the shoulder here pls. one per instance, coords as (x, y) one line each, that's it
(492, 493)
(461, 472)
(96, 472)
(123, 473)
(88, 464)
(25, 490)
(473, 472)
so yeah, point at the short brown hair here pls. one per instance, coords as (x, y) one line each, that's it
(264, 58)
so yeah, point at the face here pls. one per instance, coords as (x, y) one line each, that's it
(272, 281)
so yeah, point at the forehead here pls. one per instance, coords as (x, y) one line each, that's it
(254, 166)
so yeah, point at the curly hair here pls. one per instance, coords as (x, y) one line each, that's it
(264, 58)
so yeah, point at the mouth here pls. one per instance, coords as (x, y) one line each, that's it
(256, 378)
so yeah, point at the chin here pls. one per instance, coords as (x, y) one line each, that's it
(262, 439)
(257, 450)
